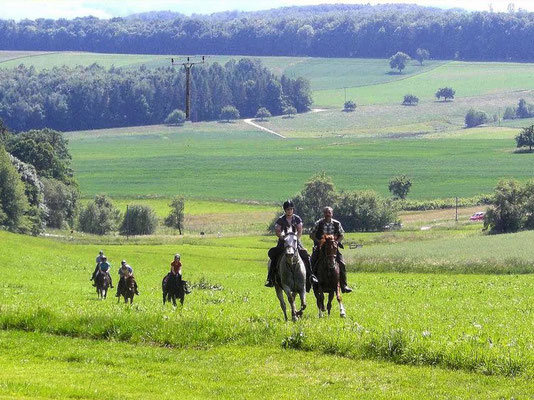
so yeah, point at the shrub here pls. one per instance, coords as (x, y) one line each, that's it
(349, 106)
(290, 111)
(61, 201)
(263, 113)
(507, 212)
(229, 113)
(509, 113)
(176, 218)
(410, 100)
(475, 118)
(99, 216)
(364, 211)
(139, 220)
(175, 117)
(446, 93)
(400, 186)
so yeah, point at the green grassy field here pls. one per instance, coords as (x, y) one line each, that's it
(468, 79)
(223, 372)
(478, 323)
(232, 162)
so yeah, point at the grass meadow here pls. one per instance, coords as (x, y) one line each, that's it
(214, 161)
(403, 330)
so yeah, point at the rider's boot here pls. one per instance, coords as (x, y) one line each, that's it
(135, 288)
(270, 275)
(110, 281)
(343, 277)
(311, 279)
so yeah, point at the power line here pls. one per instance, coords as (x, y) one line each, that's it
(188, 65)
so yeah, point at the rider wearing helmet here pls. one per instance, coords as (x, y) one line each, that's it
(329, 226)
(103, 267)
(176, 272)
(98, 261)
(125, 271)
(283, 224)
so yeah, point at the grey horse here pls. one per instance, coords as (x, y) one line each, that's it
(291, 276)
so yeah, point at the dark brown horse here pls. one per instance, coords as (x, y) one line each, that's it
(127, 290)
(328, 276)
(173, 289)
(102, 284)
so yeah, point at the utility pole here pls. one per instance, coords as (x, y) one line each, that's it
(188, 65)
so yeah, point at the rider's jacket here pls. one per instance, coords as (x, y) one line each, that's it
(176, 267)
(104, 266)
(124, 272)
(327, 228)
(285, 225)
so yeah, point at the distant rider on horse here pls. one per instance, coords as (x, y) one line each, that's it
(98, 261)
(329, 226)
(125, 271)
(283, 224)
(176, 272)
(102, 267)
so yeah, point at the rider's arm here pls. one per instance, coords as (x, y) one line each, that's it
(341, 234)
(313, 233)
(278, 230)
(299, 230)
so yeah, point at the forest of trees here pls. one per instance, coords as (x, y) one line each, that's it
(321, 31)
(93, 97)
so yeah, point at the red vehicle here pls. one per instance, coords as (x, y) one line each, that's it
(478, 216)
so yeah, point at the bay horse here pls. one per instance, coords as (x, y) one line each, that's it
(127, 290)
(328, 276)
(102, 282)
(173, 289)
(291, 276)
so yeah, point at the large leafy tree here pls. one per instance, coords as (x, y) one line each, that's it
(399, 60)
(13, 201)
(526, 138)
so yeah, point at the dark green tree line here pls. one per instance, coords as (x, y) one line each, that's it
(93, 97)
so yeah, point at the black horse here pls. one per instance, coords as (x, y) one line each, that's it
(102, 283)
(127, 289)
(173, 288)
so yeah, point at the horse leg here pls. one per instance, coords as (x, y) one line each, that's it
(303, 304)
(319, 296)
(340, 301)
(330, 298)
(164, 297)
(182, 300)
(174, 301)
(291, 299)
(280, 295)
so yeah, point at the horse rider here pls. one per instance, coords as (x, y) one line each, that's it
(329, 226)
(98, 261)
(125, 271)
(103, 267)
(284, 224)
(176, 272)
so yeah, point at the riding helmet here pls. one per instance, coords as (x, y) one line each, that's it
(177, 256)
(288, 204)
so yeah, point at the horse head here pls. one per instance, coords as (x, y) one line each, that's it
(290, 243)
(329, 248)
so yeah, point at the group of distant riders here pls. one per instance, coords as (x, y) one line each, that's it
(126, 271)
(288, 221)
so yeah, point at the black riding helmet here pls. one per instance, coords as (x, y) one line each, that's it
(288, 204)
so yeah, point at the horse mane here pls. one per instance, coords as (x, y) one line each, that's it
(324, 239)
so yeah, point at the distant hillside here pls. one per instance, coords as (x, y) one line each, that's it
(362, 31)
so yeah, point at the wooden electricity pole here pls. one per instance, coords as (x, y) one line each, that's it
(188, 65)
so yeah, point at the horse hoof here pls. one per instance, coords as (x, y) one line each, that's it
(342, 315)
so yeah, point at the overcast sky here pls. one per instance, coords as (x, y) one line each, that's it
(32, 9)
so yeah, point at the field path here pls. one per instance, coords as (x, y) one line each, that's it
(250, 122)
